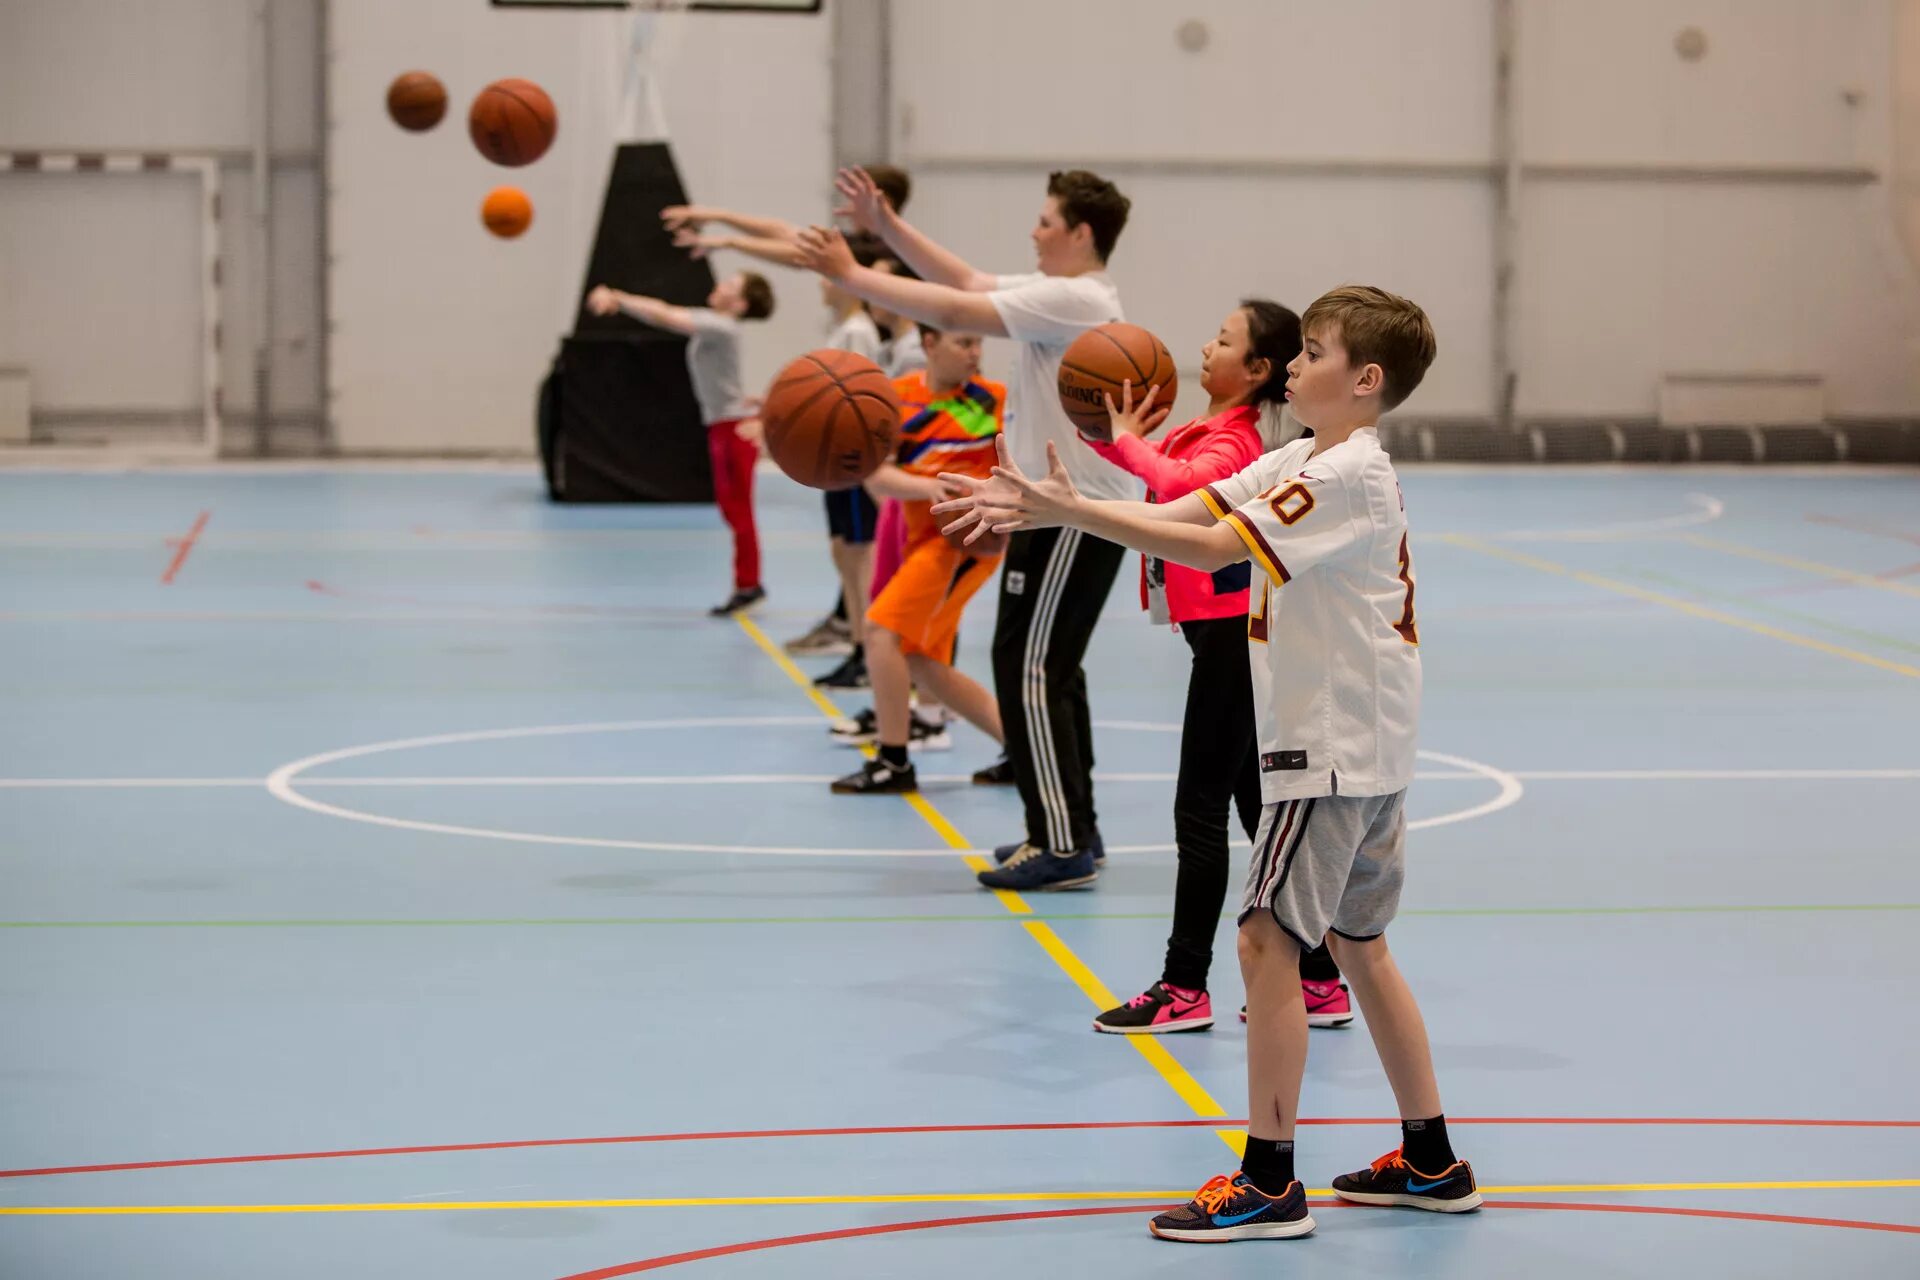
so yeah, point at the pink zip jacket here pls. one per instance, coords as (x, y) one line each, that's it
(1203, 451)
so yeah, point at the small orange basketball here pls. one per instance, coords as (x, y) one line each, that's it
(416, 100)
(512, 122)
(507, 212)
(1103, 358)
(831, 419)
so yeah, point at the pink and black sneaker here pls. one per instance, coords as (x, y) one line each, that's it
(1328, 1004)
(1157, 1011)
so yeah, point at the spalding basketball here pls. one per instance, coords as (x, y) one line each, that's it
(506, 212)
(831, 419)
(1103, 358)
(512, 122)
(416, 101)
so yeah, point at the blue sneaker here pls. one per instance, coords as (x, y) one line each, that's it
(1004, 853)
(1034, 869)
(1231, 1208)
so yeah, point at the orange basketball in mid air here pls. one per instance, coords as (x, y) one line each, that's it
(416, 100)
(507, 212)
(831, 419)
(512, 122)
(1103, 358)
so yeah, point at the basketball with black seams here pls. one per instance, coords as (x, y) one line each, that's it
(512, 122)
(831, 418)
(416, 100)
(1100, 362)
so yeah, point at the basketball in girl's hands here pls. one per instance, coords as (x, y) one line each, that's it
(1100, 361)
(416, 101)
(512, 122)
(507, 212)
(831, 419)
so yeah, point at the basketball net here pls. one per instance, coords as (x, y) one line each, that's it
(651, 34)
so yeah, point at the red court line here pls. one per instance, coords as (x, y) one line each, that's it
(896, 1130)
(927, 1224)
(183, 547)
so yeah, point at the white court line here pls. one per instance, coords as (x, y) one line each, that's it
(814, 779)
(1706, 509)
(280, 785)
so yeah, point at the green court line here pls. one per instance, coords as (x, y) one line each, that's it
(1756, 606)
(630, 921)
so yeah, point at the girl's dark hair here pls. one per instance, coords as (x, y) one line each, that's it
(1273, 334)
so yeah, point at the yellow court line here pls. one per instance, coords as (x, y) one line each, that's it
(1684, 606)
(926, 1197)
(1804, 566)
(1177, 1077)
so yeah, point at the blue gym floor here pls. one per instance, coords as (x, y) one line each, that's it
(401, 876)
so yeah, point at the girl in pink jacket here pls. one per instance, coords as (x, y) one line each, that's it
(1244, 373)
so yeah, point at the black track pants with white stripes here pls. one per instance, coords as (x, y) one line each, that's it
(1052, 587)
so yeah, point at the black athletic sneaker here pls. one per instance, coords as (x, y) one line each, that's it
(997, 774)
(851, 674)
(1004, 853)
(1039, 870)
(1231, 1208)
(1391, 1180)
(744, 598)
(877, 778)
(864, 729)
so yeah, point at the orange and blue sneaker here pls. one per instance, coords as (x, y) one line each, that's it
(1231, 1208)
(1391, 1180)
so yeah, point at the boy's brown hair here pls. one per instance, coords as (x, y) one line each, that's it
(757, 294)
(1089, 198)
(893, 183)
(1377, 327)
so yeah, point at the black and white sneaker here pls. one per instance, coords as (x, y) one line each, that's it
(1391, 1180)
(851, 674)
(864, 729)
(739, 602)
(877, 778)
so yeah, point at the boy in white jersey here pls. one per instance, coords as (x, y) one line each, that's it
(1336, 673)
(1055, 581)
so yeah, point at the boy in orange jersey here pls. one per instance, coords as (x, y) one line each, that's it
(950, 418)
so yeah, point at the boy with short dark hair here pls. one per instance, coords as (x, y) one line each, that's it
(1054, 582)
(1336, 673)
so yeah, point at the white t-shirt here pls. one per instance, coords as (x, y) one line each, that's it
(904, 353)
(1330, 631)
(858, 334)
(713, 360)
(1044, 314)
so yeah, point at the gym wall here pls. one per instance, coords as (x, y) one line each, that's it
(443, 333)
(1675, 216)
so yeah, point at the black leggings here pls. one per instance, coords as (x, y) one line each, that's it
(1219, 769)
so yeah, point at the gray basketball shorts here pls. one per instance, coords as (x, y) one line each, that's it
(1329, 862)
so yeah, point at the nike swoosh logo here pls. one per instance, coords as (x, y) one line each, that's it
(1426, 1186)
(1234, 1220)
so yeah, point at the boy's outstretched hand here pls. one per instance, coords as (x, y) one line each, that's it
(863, 205)
(1010, 501)
(602, 301)
(825, 250)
